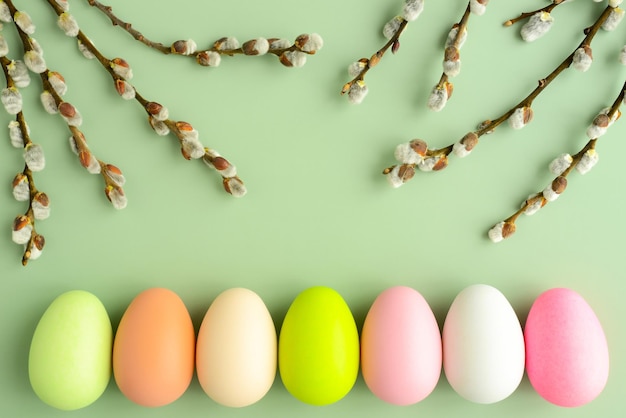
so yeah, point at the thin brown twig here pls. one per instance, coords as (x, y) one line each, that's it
(112, 187)
(490, 125)
(36, 239)
(232, 183)
(508, 225)
(172, 50)
(455, 46)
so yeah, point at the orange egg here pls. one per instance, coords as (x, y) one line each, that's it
(154, 349)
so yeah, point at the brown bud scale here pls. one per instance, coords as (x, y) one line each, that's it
(559, 184)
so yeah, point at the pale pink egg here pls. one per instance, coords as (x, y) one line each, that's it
(567, 356)
(401, 347)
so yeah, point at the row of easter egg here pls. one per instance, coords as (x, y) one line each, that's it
(401, 351)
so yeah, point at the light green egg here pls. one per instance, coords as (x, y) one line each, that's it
(318, 348)
(69, 363)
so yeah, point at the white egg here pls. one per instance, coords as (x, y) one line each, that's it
(483, 345)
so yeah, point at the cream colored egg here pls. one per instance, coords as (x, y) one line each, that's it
(236, 351)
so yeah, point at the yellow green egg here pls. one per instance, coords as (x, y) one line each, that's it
(318, 348)
(69, 362)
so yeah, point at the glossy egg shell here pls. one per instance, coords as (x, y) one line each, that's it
(236, 351)
(483, 345)
(154, 347)
(69, 363)
(401, 347)
(318, 348)
(566, 349)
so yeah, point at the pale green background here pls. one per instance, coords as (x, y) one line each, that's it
(318, 212)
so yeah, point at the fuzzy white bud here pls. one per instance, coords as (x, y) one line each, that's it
(452, 68)
(228, 171)
(158, 126)
(520, 117)
(229, 43)
(121, 68)
(391, 28)
(405, 154)
(18, 71)
(312, 44)
(5, 12)
(115, 175)
(427, 164)
(614, 19)
(125, 89)
(187, 47)
(412, 9)
(400, 174)
(294, 59)
(93, 166)
(41, 208)
(160, 112)
(191, 146)
(279, 43)
(35, 61)
(25, 23)
(209, 58)
(356, 68)
(560, 164)
(582, 59)
(21, 233)
(393, 177)
(588, 161)
(36, 46)
(601, 123)
(85, 51)
(68, 24)
(63, 4)
(4, 46)
(58, 83)
(21, 188)
(12, 100)
(615, 3)
(235, 187)
(72, 117)
(452, 37)
(215, 161)
(117, 197)
(460, 150)
(15, 134)
(555, 189)
(536, 203)
(357, 92)
(438, 98)
(495, 234)
(258, 46)
(478, 7)
(48, 102)
(537, 25)
(34, 157)
(622, 55)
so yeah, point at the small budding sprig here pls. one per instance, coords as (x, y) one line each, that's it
(54, 88)
(583, 161)
(356, 89)
(23, 230)
(457, 36)
(290, 54)
(158, 115)
(416, 154)
(541, 20)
